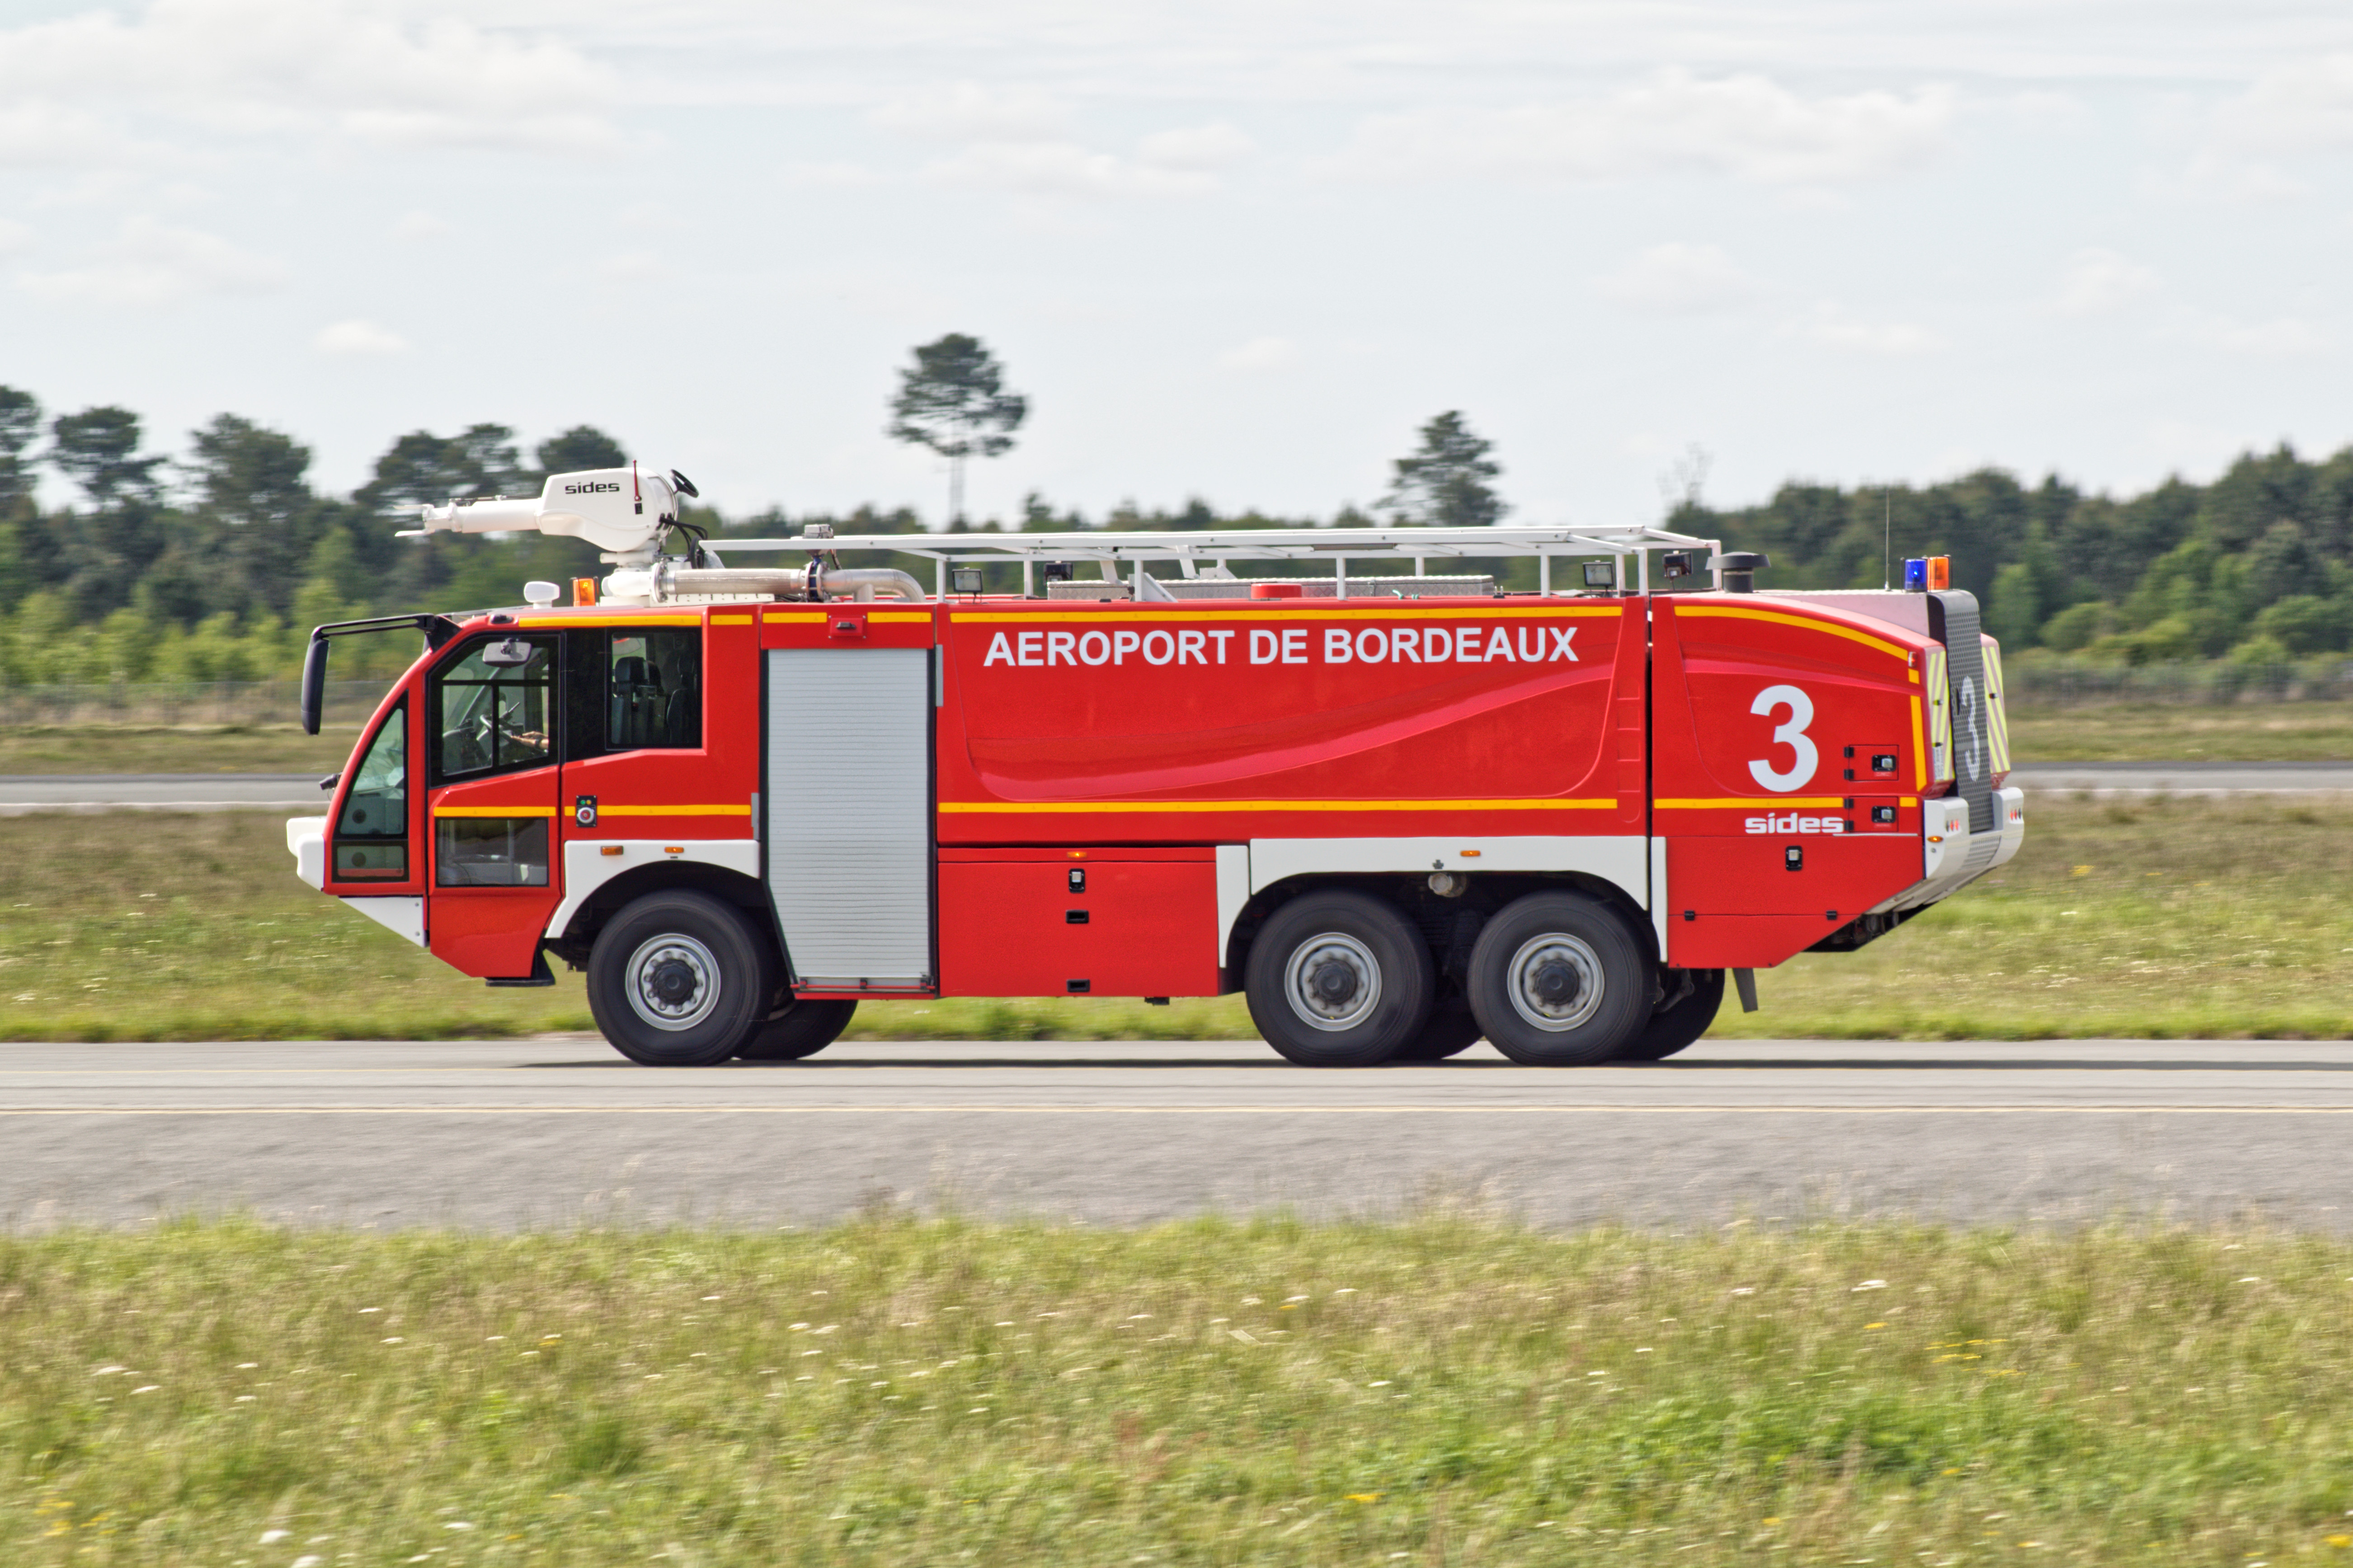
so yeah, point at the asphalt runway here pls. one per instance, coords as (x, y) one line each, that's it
(561, 1131)
(25, 793)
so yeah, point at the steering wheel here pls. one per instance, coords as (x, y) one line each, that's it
(467, 749)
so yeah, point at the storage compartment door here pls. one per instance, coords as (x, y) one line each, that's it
(849, 803)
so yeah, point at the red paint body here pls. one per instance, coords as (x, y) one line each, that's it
(1135, 738)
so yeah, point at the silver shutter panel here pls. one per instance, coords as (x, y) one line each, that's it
(849, 813)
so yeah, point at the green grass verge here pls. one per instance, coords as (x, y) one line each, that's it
(1440, 1391)
(174, 749)
(2165, 731)
(2172, 919)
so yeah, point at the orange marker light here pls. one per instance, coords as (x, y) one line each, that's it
(1940, 572)
(584, 590)
(1468, 854)
(609, 849)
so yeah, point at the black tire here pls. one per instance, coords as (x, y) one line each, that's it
(1362, 973)
(806, 1029)
(1452, 1030)
(1679, 1023)
(1557, 981)
(691, 957)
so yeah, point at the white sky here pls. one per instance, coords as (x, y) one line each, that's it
(1234, 250)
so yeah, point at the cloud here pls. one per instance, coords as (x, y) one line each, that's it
(151, 263)
(358, 338)
(1833, 327)
(971, 113)
(1063, 169)
(422, 226)
(14, 237)
(294, 70)
(2306, 107)
(633, 267)
(2285, 338)
(1261, 355)
(1679, 279)
(2097, 281)
(1746, 126)
(1204, 147)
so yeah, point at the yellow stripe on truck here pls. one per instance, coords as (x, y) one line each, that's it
(1744, 802)
(494, 811)
(744, 810)
(1149, 805)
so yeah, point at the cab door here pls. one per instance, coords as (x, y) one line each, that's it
(491, 710)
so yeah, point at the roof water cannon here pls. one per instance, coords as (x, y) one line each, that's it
(621, 512)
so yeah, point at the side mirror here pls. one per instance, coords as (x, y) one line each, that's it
(314, 684)
(511, 654)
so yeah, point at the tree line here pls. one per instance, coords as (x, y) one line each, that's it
(213, 563)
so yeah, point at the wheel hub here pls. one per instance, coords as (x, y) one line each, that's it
(1333, 982)
(673, 982)
(1555, 982)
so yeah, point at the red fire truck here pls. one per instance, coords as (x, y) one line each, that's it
(1400, 810)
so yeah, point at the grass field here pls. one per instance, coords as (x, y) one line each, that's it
(2167, 732)
(174, 749)
(1435, 1392)
(2166, 919)
(2280, 731)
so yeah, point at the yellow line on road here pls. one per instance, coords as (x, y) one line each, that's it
(1177, 1109)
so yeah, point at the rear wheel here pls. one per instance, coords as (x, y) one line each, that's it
(679, 979)
(1452, 1030)
(1556, 981)
(1339, 979)
(806, 1029)
(1679, 1022)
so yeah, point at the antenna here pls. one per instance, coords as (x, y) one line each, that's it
(1886, 532)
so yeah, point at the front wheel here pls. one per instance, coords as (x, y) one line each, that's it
(1339, 979)
(805, 1029)
(1679, 1022)
(1556, 981)
(679, 979)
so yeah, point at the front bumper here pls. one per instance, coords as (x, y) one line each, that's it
(1951, 857)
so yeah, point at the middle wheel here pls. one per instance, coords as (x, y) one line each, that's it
(1556, 981)
(1339, 979)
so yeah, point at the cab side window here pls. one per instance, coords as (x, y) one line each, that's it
(491, 712)
(653, 692)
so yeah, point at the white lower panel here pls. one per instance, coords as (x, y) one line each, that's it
(1660, 903)
(1622, 860)
(306, 836)
(587, 868)
(404, 916)
(1233, 893)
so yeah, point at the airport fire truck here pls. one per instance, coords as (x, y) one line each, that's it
(1399, 808)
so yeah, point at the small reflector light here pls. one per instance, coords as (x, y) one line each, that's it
(1468, 854)
(674, 849)
(609, 849)
(584, 590)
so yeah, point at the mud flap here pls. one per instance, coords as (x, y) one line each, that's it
(1745, 980)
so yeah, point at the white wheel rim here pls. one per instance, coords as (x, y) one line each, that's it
(1533, 973)
(1318, 967)
(672, 981)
